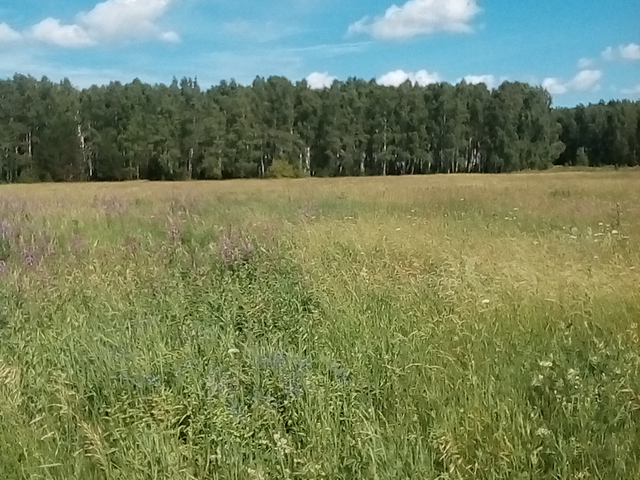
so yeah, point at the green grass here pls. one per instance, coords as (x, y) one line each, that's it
(454, 327)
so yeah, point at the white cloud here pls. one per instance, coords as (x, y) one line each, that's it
(318, 80)
(630, 52)
(632, 91)
(111, 20)
(398, 77)
(608, 54)
(554, 86)
(489, 80)
(419, 17)
(585, 63)
(585, 80)
(52, 31)
(624, 52)
(8, 34)
(170, 37)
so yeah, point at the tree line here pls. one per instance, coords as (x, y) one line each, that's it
(55, 132)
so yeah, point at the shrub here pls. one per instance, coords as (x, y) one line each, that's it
(282, 168)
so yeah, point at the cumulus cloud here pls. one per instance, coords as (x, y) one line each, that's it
(489, 80)
(585, 80)
(8, 34)
(624, 52)
(398, 77)
(630, 52)
(419, 17)
(109, 21)
(554, 86)
(52, 31)
(585, 63)
(320, 80)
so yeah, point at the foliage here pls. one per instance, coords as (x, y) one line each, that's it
(451, 327)
(582, 160)
(607, 133)
(281, 168)
(52, 131)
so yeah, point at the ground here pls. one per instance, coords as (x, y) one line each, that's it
(449, 327)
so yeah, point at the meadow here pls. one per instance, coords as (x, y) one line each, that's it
(437, 327)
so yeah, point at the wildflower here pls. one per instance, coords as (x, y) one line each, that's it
(235, 248)
(282, 444)
(486, 301)
(545, 364)
(174, 232)
(30, 257)
(573, 376)
(543, 432)
(615, 232)
(233, 351)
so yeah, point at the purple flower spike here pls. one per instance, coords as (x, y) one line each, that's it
(235, 247)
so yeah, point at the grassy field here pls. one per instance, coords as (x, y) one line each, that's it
(443, 327)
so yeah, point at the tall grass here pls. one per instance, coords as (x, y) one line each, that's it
(430, 328)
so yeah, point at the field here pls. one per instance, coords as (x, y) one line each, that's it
(441, 327)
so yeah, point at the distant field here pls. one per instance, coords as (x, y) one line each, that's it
(439, 327)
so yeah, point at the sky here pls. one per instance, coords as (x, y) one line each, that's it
(580, 50)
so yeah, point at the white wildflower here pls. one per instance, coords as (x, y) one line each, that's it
(543, 432)
(233, 351)
(545, 364)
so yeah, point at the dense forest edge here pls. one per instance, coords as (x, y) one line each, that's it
(55, 132)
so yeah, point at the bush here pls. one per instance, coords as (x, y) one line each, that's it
(281, 168)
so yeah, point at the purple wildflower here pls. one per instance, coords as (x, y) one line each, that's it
(235, 247)
(30, 256)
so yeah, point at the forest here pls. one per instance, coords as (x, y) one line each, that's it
(55, 132)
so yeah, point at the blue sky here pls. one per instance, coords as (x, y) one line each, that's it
(580, 50)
